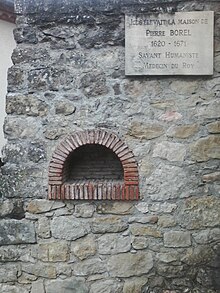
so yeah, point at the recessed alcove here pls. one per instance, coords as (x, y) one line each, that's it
(93, 164)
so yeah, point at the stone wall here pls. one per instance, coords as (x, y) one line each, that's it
(68, 75)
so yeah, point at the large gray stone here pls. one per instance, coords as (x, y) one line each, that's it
(106, 286)
(174, 152)
(128, 264)
(84, 247)
(8, 273)
(38, 206)
(177, 239)
(73, 285)
(206, 148)
(53, 251)
(113, 244)
(16, 232)
(199, 212)
(123, 208)
(38, 287)
(40, 270)
(89, 267)
(68, 228)
(85, 210)
(167, 182)
(13, 289)
(109, 224)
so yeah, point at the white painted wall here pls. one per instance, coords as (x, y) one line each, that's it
(7, 44)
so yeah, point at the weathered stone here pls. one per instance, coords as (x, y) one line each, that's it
(142, 207)
(16, 128)
(89, 267)
(74, 285)
(64, 107)
(16, 77)
(207, 236)
(10, 253)
(94, 84)
(36, 152)
(163, 207)
(113, 244)
(26, 105)
(183, 131)
(198, 255)
(174, 152)
(205, 149)
(177, 239)
(197, 213)
(168, 257)
(153, 219)
(140, 242)
(167, 182)
(128, 264)
(8, 273)
(6, 207)
(163, 104)
(13, 289)
(40, 270)
(84, 247)
(134, 285)
(170, 116)
(166, 221)
(39, 206)
(84, 210)
(143, 230)
(209, 110)
(106, 286)
(184, 87)
(169, 271)
(109, 224)
(26, 278)
(145, 131)
(68, 228)
(211, 177)
(38, 287)
(214, 127)
(53, 251)
(43, 228)
(124, 208)
(16, 232)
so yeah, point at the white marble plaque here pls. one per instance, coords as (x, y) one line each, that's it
(169, 44)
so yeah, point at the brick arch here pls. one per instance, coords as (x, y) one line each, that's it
(59, 188)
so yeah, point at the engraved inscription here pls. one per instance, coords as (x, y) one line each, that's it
(169, 44)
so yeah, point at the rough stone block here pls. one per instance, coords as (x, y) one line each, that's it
(128, 264)
(84, 247)
(177, 239)
(145, 131)
(38, 287)
(68, 228)
(84, 210)
(53, 251)
(123, 208)
(199, 212)
(73, 285)
(107, 286)
(113, 244)
(89, 267)
(16, 232)
(8, 273)
(39, 206)
(144, 230)
(174, 152)
(109, 224)
(206, 148)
